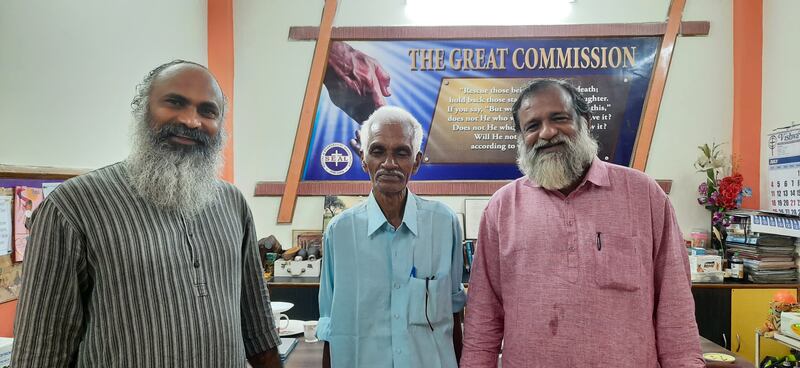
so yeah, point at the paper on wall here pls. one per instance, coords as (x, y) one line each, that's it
(474, 210)
(26, 199)
(6, 236)
(48, 188)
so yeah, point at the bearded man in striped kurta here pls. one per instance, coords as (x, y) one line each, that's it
(149, 262)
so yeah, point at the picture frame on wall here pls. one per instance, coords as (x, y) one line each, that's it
(473, 210)
(336, 204)
(460, 217)
(307, 238)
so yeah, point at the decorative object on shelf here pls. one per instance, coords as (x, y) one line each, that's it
(307, 239)
(297, 268)
(720, 192)
(782, 301)
(290, 253)
(269, 249)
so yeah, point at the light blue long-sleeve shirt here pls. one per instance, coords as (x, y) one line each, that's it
(372, 307)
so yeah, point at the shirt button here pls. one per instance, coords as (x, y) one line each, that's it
(396, 285)
(571, 248)
(569, 222)
(196, 264)
(397, 351)
(396, 316)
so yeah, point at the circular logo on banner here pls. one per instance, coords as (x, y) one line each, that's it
(336, 159)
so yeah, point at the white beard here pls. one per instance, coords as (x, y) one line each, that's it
(183, 180)
(560, 169)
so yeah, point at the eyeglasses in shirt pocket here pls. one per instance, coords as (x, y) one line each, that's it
(425, 302)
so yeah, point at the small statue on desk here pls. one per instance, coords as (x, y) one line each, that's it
(268, 250)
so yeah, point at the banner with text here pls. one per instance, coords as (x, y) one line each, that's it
(461, 91)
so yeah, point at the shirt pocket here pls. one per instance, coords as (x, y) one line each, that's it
(428, 303)
(616, 262)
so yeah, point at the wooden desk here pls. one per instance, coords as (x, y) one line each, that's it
(742, 285)
(293, 282)
(309, 355)
(710, 347)
(313, 282)
(305, 355)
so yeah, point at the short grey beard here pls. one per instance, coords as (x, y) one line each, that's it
(557, 170)
(172, 179)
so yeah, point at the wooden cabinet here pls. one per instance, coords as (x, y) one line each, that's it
(712, 311)
(728, 315)
(303, 292)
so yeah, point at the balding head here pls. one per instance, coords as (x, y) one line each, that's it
(140, 102)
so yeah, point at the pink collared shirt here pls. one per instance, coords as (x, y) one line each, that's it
(599, 278)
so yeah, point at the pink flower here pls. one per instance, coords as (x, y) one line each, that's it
(717, 217)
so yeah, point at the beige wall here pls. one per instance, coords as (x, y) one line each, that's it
(68, 71)
(781, 76)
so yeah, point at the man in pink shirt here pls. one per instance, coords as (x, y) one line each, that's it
(579, 262)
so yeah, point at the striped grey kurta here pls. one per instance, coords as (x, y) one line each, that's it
(113, 281)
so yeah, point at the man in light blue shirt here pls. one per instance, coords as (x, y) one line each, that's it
(390, 290)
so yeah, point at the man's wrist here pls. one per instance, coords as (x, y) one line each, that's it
(269, 358)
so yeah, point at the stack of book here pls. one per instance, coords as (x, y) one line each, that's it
(768, 258)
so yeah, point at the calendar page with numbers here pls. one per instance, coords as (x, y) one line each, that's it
(784, 170)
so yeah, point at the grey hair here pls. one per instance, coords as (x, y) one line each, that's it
(392, 114)
(139, 105)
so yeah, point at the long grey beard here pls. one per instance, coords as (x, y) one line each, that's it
(557, 170)
(174, 179)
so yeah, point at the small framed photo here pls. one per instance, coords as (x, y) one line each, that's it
(473, 212)
(306, 238)
(334, 205)
(460, 217)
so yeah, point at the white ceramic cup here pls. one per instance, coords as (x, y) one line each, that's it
(279, 318)
(310, 331)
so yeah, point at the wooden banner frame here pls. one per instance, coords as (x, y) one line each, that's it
(293, 187)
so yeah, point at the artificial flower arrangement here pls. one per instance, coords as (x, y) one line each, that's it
(718, 193)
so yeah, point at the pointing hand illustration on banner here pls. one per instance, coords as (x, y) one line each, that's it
(356, 83)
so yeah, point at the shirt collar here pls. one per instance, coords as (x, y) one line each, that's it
(376, 219)
(597, 175)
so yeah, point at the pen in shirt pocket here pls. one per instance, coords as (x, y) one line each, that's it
(599, 242)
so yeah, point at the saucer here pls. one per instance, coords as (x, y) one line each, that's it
(281, 307)
(718, 357)
(295, 328)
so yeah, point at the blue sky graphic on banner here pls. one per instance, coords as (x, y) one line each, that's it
(461, 92)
